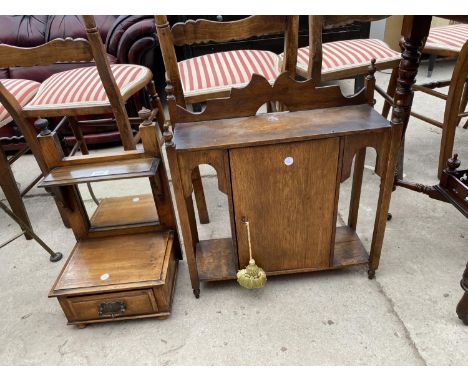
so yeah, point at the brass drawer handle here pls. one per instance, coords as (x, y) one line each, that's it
(111, 309)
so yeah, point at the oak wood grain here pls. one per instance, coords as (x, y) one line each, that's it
(125, 210)
(99, 172)
(276, 127)
(131, 261)
(291, 223)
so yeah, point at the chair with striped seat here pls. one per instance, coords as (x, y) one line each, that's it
(96, 90)
(341, 59)
(102, 89)
(214, 75)
(445, 41)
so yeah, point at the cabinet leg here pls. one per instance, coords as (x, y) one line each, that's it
(200, 196)
(196, 292)
(81, 326)
(371, 274)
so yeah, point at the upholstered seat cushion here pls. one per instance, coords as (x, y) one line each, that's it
(22, 90)
(83, 87)
(222, 71)
(450, 37)
(348, 54)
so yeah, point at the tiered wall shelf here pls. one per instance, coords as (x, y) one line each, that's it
(124, 263)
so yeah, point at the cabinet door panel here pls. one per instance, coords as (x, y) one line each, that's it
(287, 192)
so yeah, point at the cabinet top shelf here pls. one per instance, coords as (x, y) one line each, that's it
(270, 128)
(98, 172)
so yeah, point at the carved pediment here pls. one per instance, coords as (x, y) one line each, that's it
(245, 101)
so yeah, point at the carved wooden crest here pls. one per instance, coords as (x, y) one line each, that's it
(245, 101)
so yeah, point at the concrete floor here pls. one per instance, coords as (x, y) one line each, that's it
(406, 316)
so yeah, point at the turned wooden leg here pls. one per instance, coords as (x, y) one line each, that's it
(390, 91)
(11, 191)
(452, 107)
(414, 30)
(462, 307)
(200, 196)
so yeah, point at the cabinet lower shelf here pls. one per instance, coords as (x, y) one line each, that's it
(125, 210)
(216, 259)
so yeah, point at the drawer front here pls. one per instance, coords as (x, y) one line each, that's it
(110, 305)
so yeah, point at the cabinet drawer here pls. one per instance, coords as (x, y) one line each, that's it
(109, 305)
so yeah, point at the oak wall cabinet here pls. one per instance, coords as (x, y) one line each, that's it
(282, 171)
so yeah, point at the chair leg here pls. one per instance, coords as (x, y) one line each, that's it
(430, 69)
(452, 107)
(27, 231)
(75, 127)
(463, 103)
(390, 91)
(358, 82)
(200, 196)
(12, 193)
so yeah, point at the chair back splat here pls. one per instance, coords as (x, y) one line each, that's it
(247, 61)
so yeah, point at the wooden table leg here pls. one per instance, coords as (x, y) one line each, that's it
(462, 307)
(414, 31)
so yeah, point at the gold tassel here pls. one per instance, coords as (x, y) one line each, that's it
(252, 277)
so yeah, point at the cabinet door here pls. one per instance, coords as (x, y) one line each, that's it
(287, 192)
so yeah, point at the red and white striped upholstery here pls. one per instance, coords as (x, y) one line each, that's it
(450, 37)
(22, 90)
(222, 71)
(347, 54)
(83, 87)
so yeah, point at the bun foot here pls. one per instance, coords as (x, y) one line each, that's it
(196, 292)
(81, 326)
(371, 274)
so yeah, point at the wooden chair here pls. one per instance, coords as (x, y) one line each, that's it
(341, 59)
(94, 90)
(448, 41)
(211, 76)
(214, 75)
